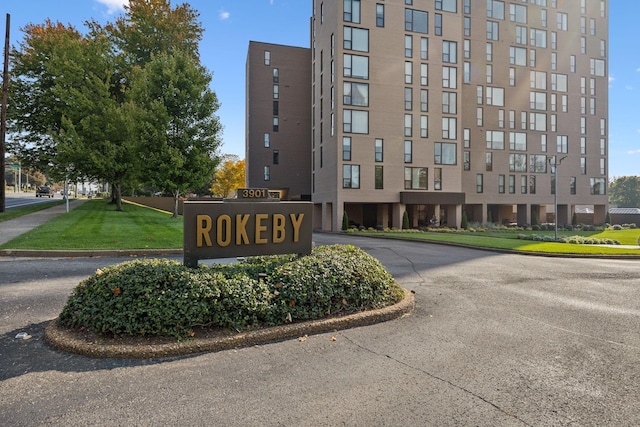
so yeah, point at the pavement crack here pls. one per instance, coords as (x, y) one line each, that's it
(436, 377)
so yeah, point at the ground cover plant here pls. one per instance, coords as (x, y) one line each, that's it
(165, 298)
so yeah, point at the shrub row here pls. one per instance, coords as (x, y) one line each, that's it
(577, 240)
(161, 297)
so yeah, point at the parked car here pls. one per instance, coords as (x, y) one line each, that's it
(44, 191)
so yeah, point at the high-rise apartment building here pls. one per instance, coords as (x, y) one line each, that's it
(435, 107)
(278, 123)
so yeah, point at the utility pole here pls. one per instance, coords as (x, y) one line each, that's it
(3, 114)
(554, 166)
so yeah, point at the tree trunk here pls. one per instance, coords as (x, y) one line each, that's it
(176, 195)
(118, 193)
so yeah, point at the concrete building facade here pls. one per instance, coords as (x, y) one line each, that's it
(278, 124)
(494, 108)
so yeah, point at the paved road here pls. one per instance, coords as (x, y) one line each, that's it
(19, 200)
(495, 340)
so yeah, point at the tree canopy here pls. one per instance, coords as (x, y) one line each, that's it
(228, 178)
(624, 191)
(126, 102)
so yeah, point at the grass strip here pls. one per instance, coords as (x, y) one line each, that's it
(18, 212)
(97, 225)
(509, 241)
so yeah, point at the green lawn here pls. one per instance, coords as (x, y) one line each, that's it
(507, 240)
(97, 225)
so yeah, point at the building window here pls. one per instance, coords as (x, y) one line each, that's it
(267, 57)
(538, 38)
(408, 46)
(408, 125)
(597, 186)
(276, 75)
(467, 160)
(424, 75)
(492, 30)
(518, 141)
(276, 91)
(438, 24)
(352, 11)
(379, 177)
(356, 66)
(416, 21)
(488, 161)
(572, 185)
(495, 96)
(517, 162)
(276, 124)
(501, 184)
(276, 108)
(449, 127)
(512, 184)
(449, 102)
(408, 151)
(346, 148)
(379, 149)
(523, 184)
(379, 15)
(518, 13)
(532, 184)
(479, 183)
(356, 94)
(437, 178)
(521, 35)
(350, 176)
(450, 77)
(424, 48)
(424, 100)
(583, 165)
(267, 139)
(355, 121)
(408, 98)
(424, 126)
(408, 72)
(445, 153)
(495, 139)
(495, 9)
(537, 163)
(447, 5)
(517, 56)
(276, 157)
(449, 52)
(267, 173)
(562, 144)
(356, 39)
(415, 178)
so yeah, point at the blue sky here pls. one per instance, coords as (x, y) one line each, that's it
(230, 25)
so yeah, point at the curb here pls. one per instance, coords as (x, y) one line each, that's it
(65, 340)
(34, 253)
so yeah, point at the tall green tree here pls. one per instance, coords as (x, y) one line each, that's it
(228, 178)
(624, 191)
(179, 132)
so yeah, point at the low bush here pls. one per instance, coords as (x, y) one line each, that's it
(165, 298)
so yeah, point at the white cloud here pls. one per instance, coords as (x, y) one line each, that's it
(114, 6)
(224, 15)
(632, 152)
(611, 78)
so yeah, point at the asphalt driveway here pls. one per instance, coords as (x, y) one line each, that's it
(495, 340)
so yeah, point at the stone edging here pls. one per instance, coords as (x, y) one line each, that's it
(62, 339)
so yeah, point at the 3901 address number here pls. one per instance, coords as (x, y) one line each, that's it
(253, 193)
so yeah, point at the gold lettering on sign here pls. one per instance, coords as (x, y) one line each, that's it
(223, 231)
(241, 229)
(278, 228)
(260, 228)
(296, 221)
(203, 229)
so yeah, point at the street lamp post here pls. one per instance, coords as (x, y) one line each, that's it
(554, 162)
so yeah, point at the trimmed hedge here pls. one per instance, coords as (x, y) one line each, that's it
(165, 298)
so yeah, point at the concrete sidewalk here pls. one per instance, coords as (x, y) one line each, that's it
(15, 227)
